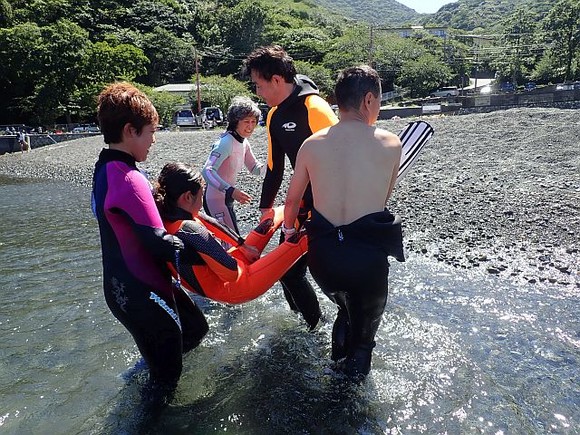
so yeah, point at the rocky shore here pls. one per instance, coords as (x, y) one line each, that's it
(496, 192)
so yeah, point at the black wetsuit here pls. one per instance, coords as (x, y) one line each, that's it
(289, 124)
(162, 319)
(350, 264)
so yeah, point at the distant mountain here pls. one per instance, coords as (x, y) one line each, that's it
(380, 12)
(463, 14)
(477, 14)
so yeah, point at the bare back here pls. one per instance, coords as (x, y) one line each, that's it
(352, 169)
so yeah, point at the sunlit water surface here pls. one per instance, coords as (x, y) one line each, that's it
(457, 352)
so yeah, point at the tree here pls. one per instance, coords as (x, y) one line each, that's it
(241, 29)
(320, 75)
(64, 54)
(545, 68)
(423, 74)
(351, 48)
(165, 103)
(6, 13)
(515, 60)
(20, 69)
(172, 58)
(106, 63)
(219, 91)
(562, 27)
(308, 43)
(40, 68)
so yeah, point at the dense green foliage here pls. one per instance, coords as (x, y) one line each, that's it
(486, 15)
(56, 55)
(379, 12)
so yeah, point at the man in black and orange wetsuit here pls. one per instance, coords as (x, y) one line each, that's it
(297, 111)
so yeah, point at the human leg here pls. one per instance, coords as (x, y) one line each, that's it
(256, 278)
(365, 304)
(300, 294)
(220, 208)
(154, 324)
(353, 275)
(263, 232)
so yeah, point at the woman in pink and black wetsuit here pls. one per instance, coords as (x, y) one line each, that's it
(163, 320)
(227, 158)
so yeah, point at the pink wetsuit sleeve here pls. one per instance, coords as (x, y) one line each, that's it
(133, 196)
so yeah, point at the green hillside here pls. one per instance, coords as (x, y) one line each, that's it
(476, 14)
(380, 12)
(56, 55)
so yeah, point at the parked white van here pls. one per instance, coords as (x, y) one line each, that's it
(448, 91)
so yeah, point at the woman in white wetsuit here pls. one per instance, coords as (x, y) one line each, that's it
(228, 155)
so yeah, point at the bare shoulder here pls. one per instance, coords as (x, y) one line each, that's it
(387, 138)
(318, 135)
(316, 138)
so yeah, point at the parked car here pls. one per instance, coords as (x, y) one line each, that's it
(530, 86)
(212, 115)
(485, 90)
(264, 109)
(565, 87)
(86, 128)
(507, 87)
(447, 91)
(184, 118)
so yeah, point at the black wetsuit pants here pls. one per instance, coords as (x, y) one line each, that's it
(298, 291)
(163, 327)
(354, 275)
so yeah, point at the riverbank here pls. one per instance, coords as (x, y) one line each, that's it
(495, 192)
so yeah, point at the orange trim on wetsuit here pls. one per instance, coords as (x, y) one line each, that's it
(270, 161)
(288, 125)
(247, 281)
(320, 115)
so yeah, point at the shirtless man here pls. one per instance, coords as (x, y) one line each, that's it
(352, 168)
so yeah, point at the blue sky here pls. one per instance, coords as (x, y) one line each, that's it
(425, 6)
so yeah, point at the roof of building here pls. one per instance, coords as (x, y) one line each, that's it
(176, 87)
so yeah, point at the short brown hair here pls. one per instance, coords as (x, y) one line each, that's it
(121, 103)
(268, 61)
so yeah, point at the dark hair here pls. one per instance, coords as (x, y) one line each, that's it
(174, 179)
(353, 84)
(268, 61)
(121, 103)
(240, 108)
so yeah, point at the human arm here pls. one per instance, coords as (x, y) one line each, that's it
(210, 172)
(396, 150)
(274, 175)
(298, 183)
(131, 200)
(198, 238)
(220, 152)
(254, 166)
(226, 234)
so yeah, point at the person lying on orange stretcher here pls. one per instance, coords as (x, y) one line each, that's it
(234, 276)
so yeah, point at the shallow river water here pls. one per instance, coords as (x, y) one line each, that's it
(458, 351)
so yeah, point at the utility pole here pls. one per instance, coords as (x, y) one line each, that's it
(197, 81)
(371, 47)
